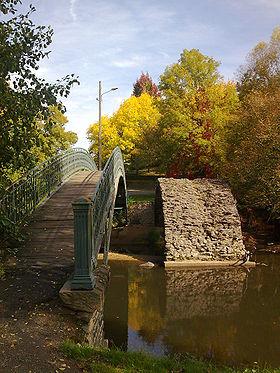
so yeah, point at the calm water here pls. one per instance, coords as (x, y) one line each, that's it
(230, 315)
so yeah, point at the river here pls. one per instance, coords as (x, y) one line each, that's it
(229, 315)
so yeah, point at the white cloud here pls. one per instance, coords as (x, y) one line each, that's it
(133, 61)
(274, 4)
(243, 4)
(72, 10)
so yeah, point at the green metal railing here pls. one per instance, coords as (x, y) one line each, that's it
(25, 195)
(93, 220)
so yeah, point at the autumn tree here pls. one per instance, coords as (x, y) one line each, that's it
(144, 84)
(252, 163)
(195, 106)
(131, 127)
(110, 137)
(261, 72)
(25, 98)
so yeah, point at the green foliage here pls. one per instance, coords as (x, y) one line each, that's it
(195, 106)
(26, 100)
(8, 6)
(52, 135)
(252, 150)
(262, 69)
(140, 199)
(9, 232)
(155, 241)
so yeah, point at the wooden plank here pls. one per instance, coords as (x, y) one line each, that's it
(51, 233)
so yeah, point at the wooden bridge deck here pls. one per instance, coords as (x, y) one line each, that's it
(51, 235)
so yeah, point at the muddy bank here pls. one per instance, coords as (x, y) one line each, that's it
(260, 232)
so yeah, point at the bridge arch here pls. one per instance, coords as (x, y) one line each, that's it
(93, 218)
(93, 214)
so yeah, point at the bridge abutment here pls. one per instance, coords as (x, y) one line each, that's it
(200, 220)
(89, 305)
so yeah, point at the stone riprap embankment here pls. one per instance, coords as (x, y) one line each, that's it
(200, 220)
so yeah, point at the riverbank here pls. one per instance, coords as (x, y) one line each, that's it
(33, 321)
(96, 360)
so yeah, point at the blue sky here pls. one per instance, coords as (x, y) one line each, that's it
(115, 40)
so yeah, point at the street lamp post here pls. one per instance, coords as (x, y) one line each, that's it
(99, 129)
(99, 99)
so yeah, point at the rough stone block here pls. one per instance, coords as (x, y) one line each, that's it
(87, 300)
(200, 220)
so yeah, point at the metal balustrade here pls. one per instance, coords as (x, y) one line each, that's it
(93, 218)
(25, 195)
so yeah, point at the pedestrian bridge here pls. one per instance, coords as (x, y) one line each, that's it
(69, 205)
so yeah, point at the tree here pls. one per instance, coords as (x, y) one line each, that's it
(195, 106)
(130, 128)
(252, 161)
(144, 84)
(262, 68)
(25, 98)
(110, 137)
(53, 136)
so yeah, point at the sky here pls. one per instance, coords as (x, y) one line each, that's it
(115, 40)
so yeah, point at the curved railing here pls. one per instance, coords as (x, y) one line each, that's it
(25, 195)
(93, 220)
(105, 195)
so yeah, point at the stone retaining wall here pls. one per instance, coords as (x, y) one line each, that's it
(200, 220)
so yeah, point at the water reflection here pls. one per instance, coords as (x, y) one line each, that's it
(231, 315)
(201, 311)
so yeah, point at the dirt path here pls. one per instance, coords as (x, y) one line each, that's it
(33, 320)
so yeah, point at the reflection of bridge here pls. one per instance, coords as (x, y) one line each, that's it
(74, 206)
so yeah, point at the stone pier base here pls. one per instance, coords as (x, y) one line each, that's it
(200, 220)
(89, 305)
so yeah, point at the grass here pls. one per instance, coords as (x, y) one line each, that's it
(140, 198)
(100, 360)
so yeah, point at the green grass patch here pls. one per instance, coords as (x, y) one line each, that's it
(140, 198)
(115, 361)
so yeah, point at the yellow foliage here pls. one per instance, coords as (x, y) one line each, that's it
(109, 137)
(128, 128)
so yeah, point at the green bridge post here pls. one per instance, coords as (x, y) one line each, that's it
(83, 275)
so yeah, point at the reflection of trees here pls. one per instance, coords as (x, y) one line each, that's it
(222, 314)
(258, 324)
(207, 337)
(116, 301)
(146, 303)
